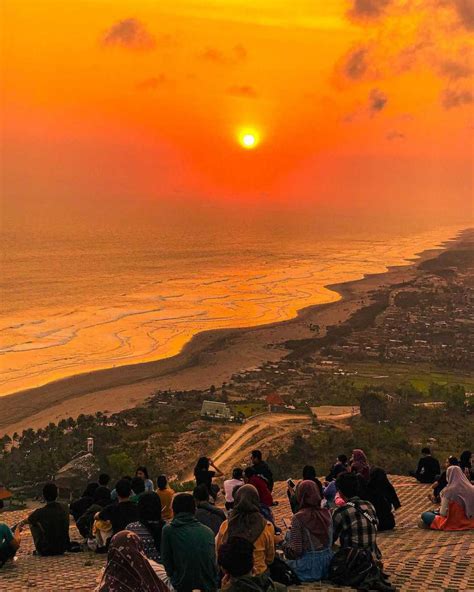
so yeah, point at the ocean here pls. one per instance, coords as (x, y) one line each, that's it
(78, 302)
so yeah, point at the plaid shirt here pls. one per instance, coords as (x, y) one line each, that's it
(353, 529)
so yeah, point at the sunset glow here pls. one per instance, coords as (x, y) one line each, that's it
(249, 139)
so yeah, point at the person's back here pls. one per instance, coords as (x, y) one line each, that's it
(122, 513)
(428, 468)
(354, 523)
(206, 513)
(166, 496)
(261, 468)
(188, 549)
(382, 495)
(50, 524)
(260, 485)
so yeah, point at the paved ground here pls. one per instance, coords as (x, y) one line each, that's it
(418, 560)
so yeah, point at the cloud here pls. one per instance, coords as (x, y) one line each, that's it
(395, 135)
(355, 64)
(455, 70)
(465, 10)
(152, 83)
(242, 91)
(237, 54)
(368, 9)
(377, 101)
(452, 98)
(129, 33)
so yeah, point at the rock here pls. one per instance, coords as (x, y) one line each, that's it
(74, 475)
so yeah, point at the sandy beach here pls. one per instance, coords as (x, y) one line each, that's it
(211, 357)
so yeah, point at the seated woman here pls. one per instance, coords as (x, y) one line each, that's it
(457, 504)
(308, 542)
(128, 567)
(142, 473)
(441, 480)
(149, 525)
(384, 498)
(309, 474)
(203, 475)
(359, 464)
(245, 521)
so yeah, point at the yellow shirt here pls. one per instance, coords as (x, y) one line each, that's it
(166, 497)
(264, 547)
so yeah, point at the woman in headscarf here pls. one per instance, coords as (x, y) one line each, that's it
(128, 568)
(359, 464)
(245, 521)
(384, 498)
(149, 525)
(308, 544)
(457, 504)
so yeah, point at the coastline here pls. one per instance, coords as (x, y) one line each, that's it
(210, 357)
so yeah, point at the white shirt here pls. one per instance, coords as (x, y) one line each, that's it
(229, 485)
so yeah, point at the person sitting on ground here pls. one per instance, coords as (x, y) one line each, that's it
(466, 464)
(142, 472)
(122, 513)
(149, 525)
(203, 475)
(457, 504)
(441, 480)
(341, 466)
(206, 512)
(138, 489)
(264, 494)
(49, 524)
(308, 542)
(309, 474)
(354, 523)
(78, 507)
(382, 495)
(166, 496)
(188, 549)
(229, 485)
(246, 521)
(9, 541)
(428, 467)
(359, 464)
(104, 480)
(128, 568)
(261, 468)
(86, 521)
(235, 559)
(113, 493)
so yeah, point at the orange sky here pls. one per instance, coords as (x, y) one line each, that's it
(357, 103)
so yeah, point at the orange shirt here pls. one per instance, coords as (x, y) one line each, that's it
(455, 520)
(166, 497)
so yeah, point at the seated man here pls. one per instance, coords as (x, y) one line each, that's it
(428, 468)
(235, 558)
(260, 484)
(49, 525)
(9, 541)
(261, 468)
(206, 512)
(188, 549)
(122, 513)
(355, 523)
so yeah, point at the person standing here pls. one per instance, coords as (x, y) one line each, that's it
(204, 476)
(261, 468)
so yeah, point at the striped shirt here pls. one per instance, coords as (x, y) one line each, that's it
(147, 540)
(353, 529)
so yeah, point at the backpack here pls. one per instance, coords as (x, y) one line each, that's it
(282, 573)
(357, 568)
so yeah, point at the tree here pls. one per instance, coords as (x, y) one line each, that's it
(373, 406)
(120, 463)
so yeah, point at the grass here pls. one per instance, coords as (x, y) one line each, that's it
(420, 375)
(249, 409)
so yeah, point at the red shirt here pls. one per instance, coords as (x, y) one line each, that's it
(263, 492)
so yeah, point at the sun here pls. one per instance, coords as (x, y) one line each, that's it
(248, 139)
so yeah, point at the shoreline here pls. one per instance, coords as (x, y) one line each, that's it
(209, 357)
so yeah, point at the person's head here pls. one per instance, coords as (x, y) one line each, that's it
(90, 489)
(308, 494)
(342, 458)
(358, 456)
(256, 456)
(50, 492)
(123, 489)
(451, 461)
(237, 473)
(235, 557)
(248, 473)
(246, 499)
(142, 472)
(455, 475)
(138, 485)
(378, 478)
(202, 464)
(104, 479)
(162, 482)
(347, 484)
(183, 503)
(309, 473)
(425, 451)
(465, 458)
(102, 496)
(201, 493)
(149, 507)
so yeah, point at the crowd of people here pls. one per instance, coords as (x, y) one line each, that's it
(156, 539)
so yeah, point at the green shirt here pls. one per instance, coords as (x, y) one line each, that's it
(6, 535)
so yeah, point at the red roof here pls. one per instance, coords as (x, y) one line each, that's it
(4, 493)
(274, 399)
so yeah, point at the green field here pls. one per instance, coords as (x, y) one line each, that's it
(420, 375)
(249, 409)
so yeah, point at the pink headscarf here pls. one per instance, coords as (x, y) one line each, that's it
(459, 490)
(316, 519)
(359, 463)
